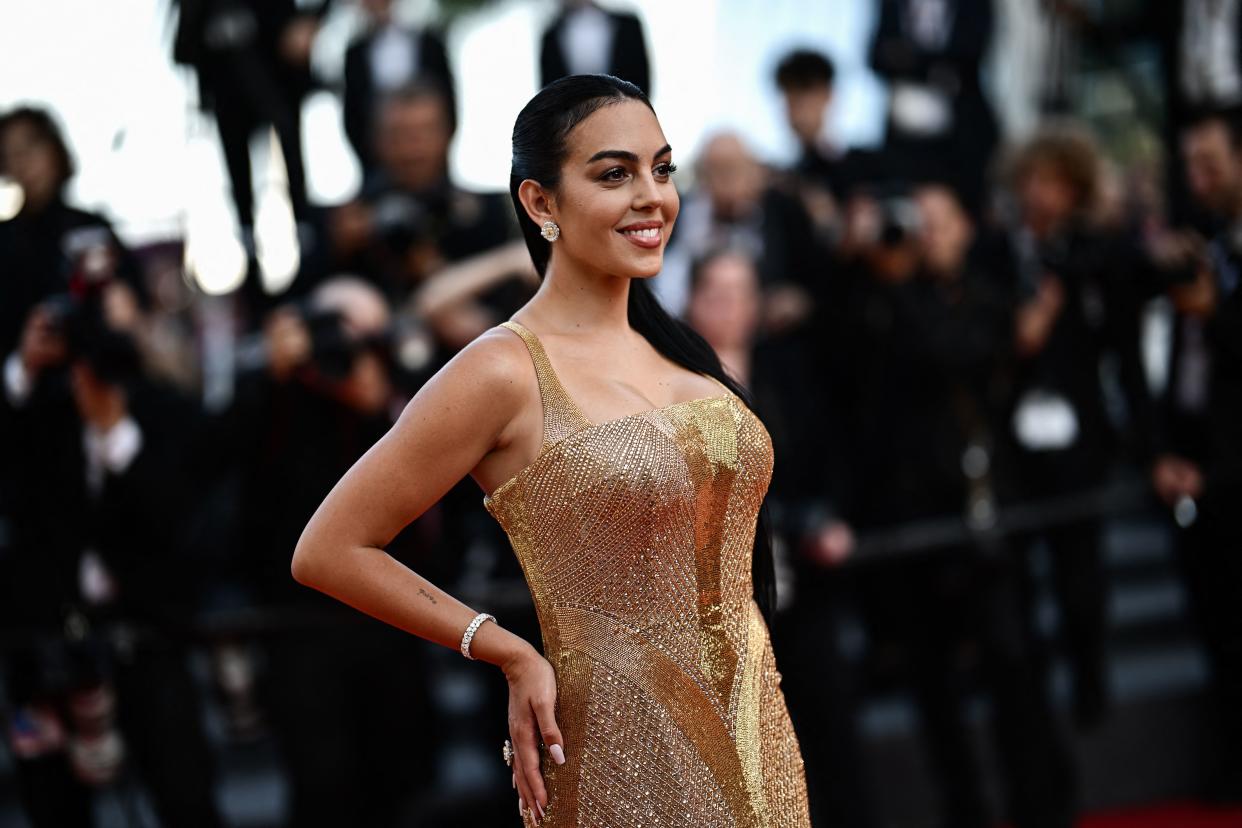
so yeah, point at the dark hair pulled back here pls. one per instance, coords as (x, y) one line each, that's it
(540, 137)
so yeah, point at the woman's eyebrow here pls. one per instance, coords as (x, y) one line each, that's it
(625, 155)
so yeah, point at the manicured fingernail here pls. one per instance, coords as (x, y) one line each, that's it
(521, 806)
(539, 808)
(513, 779)
(558, 754)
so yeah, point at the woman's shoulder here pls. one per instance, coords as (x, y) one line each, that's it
(480, 390)
(493, 354)
(495, 364)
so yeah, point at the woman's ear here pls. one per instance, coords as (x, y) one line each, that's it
(537, 201)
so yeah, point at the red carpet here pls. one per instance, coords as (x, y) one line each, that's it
(1171, 815)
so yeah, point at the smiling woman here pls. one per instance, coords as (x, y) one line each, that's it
(630, 479)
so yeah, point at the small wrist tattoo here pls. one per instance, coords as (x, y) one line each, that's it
(427, 595)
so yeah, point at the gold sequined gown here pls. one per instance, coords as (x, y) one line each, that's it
(635, 536)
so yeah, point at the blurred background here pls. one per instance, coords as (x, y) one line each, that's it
(977, 259)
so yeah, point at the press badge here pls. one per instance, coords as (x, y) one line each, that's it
(1045, 421)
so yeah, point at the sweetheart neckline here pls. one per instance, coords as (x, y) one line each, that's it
(547, 450)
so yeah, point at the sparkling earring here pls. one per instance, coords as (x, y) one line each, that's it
(551, 230)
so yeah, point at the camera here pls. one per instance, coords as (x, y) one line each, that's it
(887, 217)
(402, 221)
(78, 315)
(900, 221)
(333, 348)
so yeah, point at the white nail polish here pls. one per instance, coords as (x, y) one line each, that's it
(558, 754)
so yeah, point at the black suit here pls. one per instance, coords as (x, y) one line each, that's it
(235, 48)
(1210, 435)
(933, 355)
(361, 101)
(346, 745)
(795, 394)
(627, 59)
(964, 149)
(1104, 281)
(135, 523)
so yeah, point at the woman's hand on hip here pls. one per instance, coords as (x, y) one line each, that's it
(532, 720)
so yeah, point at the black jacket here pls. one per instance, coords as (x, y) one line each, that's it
(40, 257)
(628, 60)
(136, 523)
(926, 360)
(220, 38)
(1105, 278)
(361, 101)
(962, 154)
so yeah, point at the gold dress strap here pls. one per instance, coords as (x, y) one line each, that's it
(561, 415)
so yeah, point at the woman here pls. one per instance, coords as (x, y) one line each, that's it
(628, 472)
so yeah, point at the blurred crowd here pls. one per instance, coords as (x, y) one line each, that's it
(947, 336)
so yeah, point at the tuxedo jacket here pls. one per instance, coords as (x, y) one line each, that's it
(362, 99)
(628, 60)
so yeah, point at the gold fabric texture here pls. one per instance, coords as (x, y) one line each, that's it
(635, 536)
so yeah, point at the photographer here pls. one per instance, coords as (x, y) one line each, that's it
(928, 318)
(1080, 283)
(343, 696)
(50, 247)
(96, 586)
(1197, 471)
(411, 220)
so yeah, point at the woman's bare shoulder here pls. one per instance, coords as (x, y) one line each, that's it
(492, 374)
(497, 357)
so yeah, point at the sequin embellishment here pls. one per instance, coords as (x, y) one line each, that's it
(635, 536)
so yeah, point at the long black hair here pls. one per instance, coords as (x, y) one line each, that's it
(540, 135)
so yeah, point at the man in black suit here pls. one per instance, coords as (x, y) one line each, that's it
(93, 470)
(931, 52)
(295, 426)
(1079, 288)
(253, 66)
(585, 39)
(825, 175)
(806, 80)
(388, 57)
(927, 313)
(1198, 467)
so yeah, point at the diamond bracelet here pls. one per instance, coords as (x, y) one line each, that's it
(470, 631)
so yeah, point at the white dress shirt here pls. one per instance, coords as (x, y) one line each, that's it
(586, 41)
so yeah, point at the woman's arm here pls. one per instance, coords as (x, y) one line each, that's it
(471, 408)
